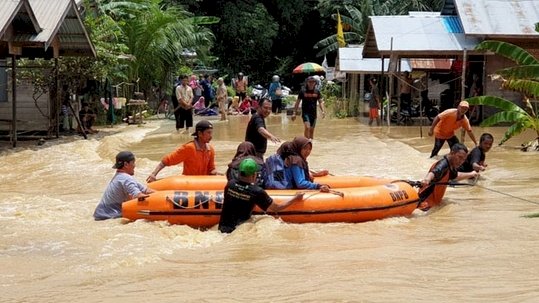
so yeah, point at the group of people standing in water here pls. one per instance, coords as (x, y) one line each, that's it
(249, 174)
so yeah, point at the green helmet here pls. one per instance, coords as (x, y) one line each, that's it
(248, 167)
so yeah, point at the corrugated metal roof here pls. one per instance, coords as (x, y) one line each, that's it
(8, 9)
(17, 11)
(49, 15)
(418, 33)
(351, 61)
(495, 17)
(57, 18)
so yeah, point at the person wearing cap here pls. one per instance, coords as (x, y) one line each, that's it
(197, 156)
(440, 174)
(297, 170)
(256, 131)
(184, 94)
(121, 188)
(309, 97)
(222, 98)
(446, 123)
(242, 195)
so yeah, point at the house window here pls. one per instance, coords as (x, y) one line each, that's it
(3, 81)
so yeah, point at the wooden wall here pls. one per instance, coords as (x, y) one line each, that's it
(28, 115)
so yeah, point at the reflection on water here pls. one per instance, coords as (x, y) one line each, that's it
(477, 247)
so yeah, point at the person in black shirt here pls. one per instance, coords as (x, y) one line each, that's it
(476, 157)
(242, 195)
(310, 96)
(256, 132)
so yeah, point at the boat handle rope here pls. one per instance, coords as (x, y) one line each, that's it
(210, 198)
(474, 183)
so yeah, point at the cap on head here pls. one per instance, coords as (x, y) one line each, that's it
(201, 126)
(248, 167)
(311, 78)
(122, 157)
(240, 74)
(275, 78)
(464, 104)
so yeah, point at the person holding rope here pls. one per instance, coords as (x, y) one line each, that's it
(476, 157)
(440, 174)
(241, 196)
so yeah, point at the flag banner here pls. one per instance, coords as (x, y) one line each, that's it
(340, 33)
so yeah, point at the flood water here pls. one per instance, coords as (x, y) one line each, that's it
(477, 247)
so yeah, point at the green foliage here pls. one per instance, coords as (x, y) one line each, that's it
(331, 89)
(522, 78)
(532, 215)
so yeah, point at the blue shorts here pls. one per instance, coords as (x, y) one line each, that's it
(309, 118)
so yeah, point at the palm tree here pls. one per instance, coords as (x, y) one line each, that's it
(523, 78)
(156, 36)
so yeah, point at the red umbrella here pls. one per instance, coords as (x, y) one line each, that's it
(307, 68)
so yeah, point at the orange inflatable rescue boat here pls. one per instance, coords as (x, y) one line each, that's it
(202, 208)
(219, 182)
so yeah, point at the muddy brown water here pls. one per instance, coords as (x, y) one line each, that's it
(477, 247)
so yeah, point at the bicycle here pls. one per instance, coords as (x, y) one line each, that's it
(163, 110)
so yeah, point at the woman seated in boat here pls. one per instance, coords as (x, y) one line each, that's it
(296, 168)
(245, 150)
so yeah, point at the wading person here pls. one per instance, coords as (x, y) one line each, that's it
(374, 103)
(121, 188)
(476, 157)
(309, 97)
(241, 196)
(446, 123)
(184, 94)
(256, 131)
(222, 98)
(197, 156)
(443, 171)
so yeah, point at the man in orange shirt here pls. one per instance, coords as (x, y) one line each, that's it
(197, 156)
(445, 125)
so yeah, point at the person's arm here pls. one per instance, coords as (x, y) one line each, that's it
(302, 182)
(428, 178)
(319, 173)
(296, 107)
(322, 107)
(153, 176)
(434, 123)
(274, 206)
(264, 132)
(465, 176)
(472, 136)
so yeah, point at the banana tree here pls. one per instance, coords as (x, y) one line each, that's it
(523, 78)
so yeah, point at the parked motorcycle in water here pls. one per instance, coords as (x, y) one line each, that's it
(429, 110)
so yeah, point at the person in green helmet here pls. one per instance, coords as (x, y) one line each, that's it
(243, 194)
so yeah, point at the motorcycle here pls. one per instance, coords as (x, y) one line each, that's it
(258, 92)
(429, 110)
